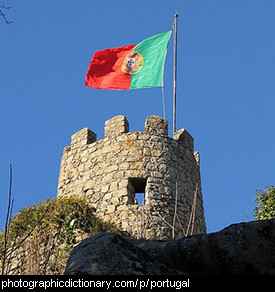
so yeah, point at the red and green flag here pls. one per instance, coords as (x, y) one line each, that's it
(130, 66)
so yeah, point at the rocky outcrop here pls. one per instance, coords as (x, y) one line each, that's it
(111, 254)
(244, 248)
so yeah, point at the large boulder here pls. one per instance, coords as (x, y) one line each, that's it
(243, 248)
(111, 254)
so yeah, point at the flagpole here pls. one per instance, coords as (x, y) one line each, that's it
(175, 71)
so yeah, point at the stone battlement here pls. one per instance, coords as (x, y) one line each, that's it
(124, 167)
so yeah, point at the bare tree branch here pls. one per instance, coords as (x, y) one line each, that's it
(192, 214)
(176, 211)
(7, 224)
(3, 6)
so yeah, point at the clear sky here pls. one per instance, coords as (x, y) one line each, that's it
(226, 91)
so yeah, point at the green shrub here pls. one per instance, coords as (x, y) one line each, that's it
(265, 208)
(46, 233)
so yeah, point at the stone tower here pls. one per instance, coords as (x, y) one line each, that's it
(110, 173)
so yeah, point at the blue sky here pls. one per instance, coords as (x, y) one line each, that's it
(226, 89)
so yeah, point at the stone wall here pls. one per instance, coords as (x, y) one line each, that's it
(111, 171)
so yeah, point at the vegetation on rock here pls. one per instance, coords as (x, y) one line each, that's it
(265, 208)
(41, 237)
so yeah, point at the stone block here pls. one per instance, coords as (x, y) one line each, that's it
(156, 125)
(116, 126)
(183, 136)
(83, 137)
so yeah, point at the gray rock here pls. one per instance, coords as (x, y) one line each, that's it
(111, 254)
(243, 248)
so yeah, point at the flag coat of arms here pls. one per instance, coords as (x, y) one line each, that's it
(130, 66)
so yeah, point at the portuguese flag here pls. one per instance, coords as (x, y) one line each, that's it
(130, 66)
